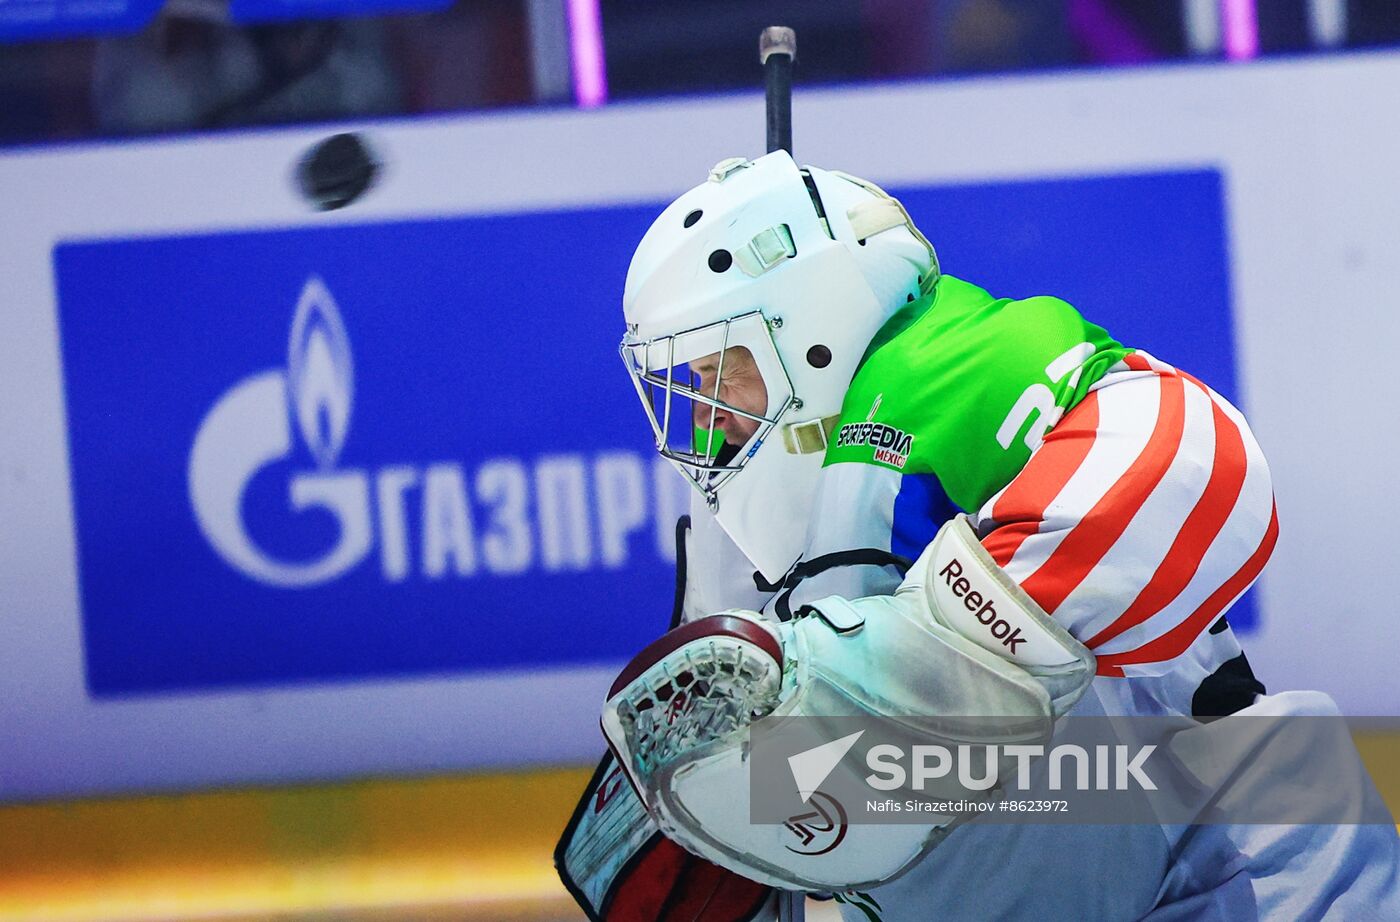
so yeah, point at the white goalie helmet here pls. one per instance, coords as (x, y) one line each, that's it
(798, 268)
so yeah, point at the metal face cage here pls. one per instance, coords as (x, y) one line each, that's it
(683, 415)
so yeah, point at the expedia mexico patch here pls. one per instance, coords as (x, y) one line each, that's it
(891, 445)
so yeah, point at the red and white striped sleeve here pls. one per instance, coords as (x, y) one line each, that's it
(1141, 518)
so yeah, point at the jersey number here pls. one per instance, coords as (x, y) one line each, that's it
(1039, 401)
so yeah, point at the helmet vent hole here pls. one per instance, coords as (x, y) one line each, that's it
(819, 356)
(909, 299)
(721, 260)
(694, 216)
(861, 241)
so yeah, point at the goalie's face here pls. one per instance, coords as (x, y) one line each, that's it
(712, 393)
(733, 379)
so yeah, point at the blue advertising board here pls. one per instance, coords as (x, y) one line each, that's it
(409, 448)
(28, 20)
(249, 11)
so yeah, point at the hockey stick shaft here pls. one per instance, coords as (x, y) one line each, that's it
(777, 51)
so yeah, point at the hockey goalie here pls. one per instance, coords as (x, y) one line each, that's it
(851, 420)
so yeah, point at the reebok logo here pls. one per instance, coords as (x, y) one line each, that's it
(982, 607)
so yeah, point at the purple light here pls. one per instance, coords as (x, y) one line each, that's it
(586, 53)
(1105, 34)
(1241, 29)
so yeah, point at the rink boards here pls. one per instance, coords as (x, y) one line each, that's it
(294, 495)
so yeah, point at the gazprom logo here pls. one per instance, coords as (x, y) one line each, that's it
(251, 427)
(564, 512)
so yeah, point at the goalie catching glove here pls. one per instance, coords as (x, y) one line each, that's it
(958, 639)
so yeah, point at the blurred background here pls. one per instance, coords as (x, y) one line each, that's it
(72, 70)
(326, 511)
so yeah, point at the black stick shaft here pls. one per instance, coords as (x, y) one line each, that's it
(777, 49)
(778, 79)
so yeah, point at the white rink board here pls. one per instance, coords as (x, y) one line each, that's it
(1307, 149)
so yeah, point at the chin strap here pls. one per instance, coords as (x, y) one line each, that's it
(809, 437)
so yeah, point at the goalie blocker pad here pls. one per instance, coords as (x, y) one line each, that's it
(619, 867)
(958, 639)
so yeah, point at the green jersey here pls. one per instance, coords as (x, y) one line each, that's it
(963, 386)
